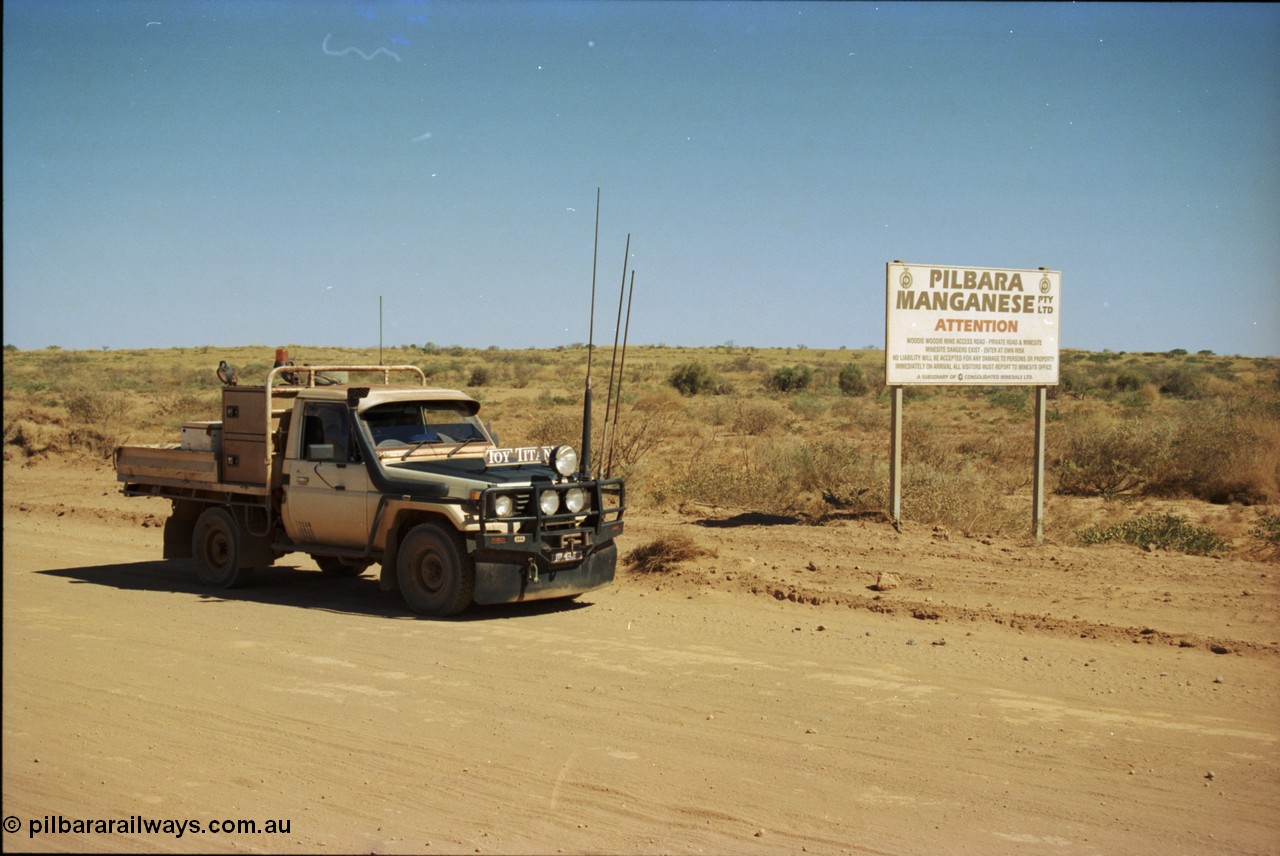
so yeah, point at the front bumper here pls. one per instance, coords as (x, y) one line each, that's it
(508, 582)
(529, 555)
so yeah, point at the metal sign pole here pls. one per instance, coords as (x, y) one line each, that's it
(1037, 485)
(895, 458)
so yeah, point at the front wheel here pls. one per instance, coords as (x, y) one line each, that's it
(436, 575)
(215, 545)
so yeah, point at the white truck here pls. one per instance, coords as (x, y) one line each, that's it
(396, 474)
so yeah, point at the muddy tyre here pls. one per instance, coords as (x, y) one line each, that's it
(436, 575)
(216, 547)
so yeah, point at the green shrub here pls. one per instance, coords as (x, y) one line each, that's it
(1159, 532)
(790, 379)
(1182, 382)
(692, 379)
(1134, 401)
(1075, 382)
(1011, 398)
(1128, 382)
(853, 380)
(1268, 533)
(808, 406)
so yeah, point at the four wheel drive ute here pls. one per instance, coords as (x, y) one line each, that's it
(376, 472)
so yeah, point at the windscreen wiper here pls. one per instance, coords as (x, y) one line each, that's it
(465, 442)
(421, 443)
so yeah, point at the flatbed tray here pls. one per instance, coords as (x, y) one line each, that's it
(168, 463)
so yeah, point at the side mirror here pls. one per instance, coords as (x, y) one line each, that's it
(320, 452)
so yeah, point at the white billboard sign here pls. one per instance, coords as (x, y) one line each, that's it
(965, 325)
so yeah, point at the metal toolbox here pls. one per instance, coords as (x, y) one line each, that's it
(244, 410)
(201, 436)
(243, 460)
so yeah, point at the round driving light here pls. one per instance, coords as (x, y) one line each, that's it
(565, 459)
(574, 499)
(549, 502)
(502, 506)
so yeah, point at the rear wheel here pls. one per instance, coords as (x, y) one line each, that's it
(215, 545)
(436, 575)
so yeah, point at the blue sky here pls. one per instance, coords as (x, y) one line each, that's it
(230, 173)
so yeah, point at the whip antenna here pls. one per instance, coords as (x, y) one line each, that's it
(591, 321)
(617, 328)
(622, 362)
(585, 463)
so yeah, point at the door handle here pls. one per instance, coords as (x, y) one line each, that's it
(301, 480)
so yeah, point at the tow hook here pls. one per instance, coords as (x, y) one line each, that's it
(532, 573)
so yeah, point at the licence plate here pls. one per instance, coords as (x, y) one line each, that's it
(564, 556)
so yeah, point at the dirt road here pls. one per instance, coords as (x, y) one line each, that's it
(1003, 699)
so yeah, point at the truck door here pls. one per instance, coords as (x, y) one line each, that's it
(326, 493)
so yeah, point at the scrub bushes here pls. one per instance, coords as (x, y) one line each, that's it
(1208, 452)
(790, 379)
(853, 380)
(1159, 532)
(692, 379)
(664, 554)
(1102, 456)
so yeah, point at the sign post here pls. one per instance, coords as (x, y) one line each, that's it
(1037, 481)
(964, 326)
(895, 457)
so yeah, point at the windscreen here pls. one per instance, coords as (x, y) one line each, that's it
(413, 423)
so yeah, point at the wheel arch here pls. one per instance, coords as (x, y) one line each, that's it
(179, 528)
(403, 521)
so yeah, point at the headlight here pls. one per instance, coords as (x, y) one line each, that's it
(574, 499)
(549, 501)
(565, 459)
(502, 506)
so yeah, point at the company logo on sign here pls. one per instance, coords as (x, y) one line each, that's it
(905, 279)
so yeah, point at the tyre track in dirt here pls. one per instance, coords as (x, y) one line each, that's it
(695, 718)
(944, 615)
